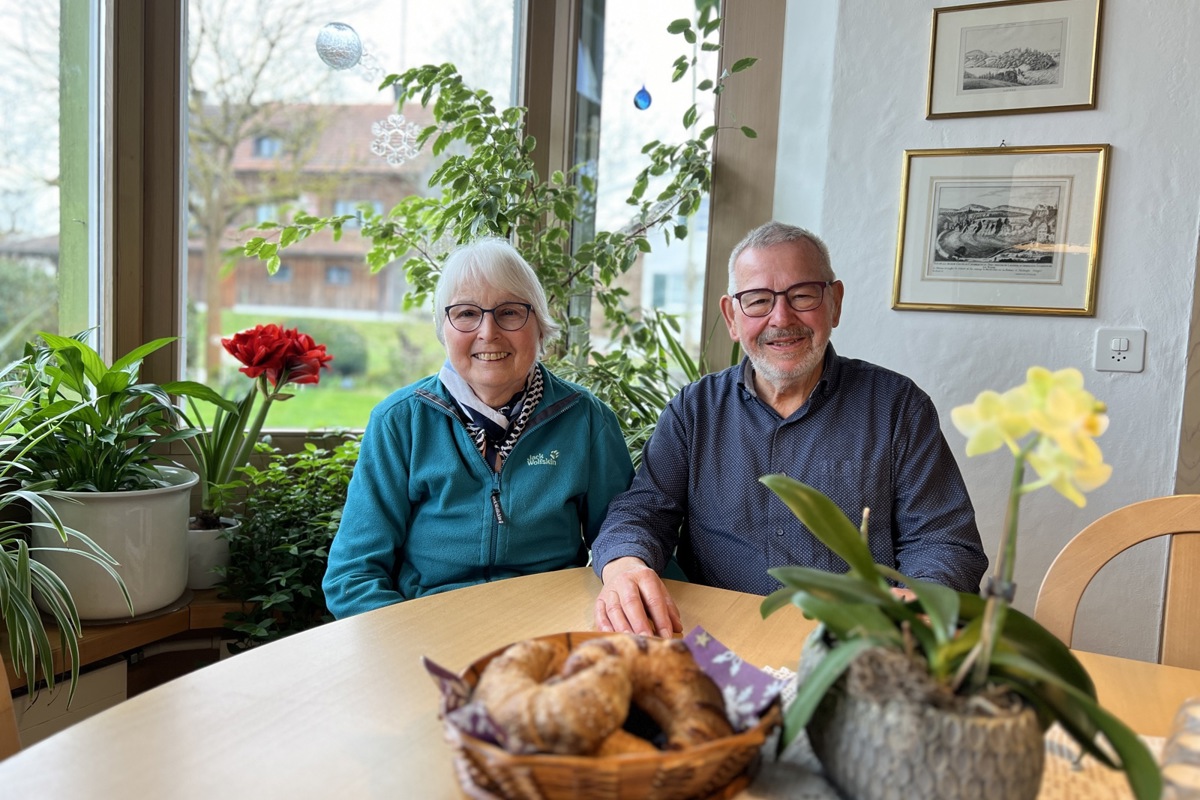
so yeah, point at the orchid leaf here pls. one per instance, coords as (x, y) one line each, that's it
(1139, 765)
(826, 521)
(816, 684)
(939, 603)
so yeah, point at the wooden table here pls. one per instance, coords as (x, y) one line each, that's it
(347, 710)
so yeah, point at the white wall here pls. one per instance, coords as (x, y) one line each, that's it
(843, 129)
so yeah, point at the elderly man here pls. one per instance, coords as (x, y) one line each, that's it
(865, 436)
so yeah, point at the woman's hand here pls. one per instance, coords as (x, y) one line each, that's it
(634, 599)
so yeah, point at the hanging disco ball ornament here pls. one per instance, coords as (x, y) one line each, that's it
(338, 45)
(641, 100)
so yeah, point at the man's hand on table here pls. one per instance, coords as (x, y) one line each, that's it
(634, 599)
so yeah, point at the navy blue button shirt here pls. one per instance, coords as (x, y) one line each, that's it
(866, 437)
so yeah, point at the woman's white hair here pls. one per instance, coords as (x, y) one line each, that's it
(495, 263)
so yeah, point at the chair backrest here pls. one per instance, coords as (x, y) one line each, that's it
(10, 740)
(1176, 516)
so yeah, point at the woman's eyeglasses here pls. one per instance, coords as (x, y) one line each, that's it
(467, 317)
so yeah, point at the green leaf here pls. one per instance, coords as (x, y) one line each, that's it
(810, 693)
(679, 25)
(749, 133)
(939, 603)
(825, 520)
(1140, 767)
(743, 64)
(843, 587)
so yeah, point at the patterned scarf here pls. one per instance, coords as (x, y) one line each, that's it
(494, 431)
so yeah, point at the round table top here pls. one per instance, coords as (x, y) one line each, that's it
(348, 710)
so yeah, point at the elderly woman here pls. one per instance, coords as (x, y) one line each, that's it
(490, 469)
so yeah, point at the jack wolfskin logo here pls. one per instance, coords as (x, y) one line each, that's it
(542, 458)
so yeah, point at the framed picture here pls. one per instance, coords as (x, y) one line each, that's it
(1013, 57)
(1012, 230)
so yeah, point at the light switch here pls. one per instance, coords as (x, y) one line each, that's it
(1120, 350)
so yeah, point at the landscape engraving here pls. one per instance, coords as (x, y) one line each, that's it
(1017, 56)
(996, 230)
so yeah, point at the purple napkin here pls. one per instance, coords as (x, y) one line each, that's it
(747, 690)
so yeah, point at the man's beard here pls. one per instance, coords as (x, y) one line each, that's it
(781, 376)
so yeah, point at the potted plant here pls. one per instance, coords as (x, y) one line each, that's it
(101, 454)
(273, 357)
(965, 662)
(22, 577)
(278, 555)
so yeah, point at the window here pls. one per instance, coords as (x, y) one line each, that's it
(355, 208)
(267, 147)
(297, 134)
(337, 275)
(632, 54)
(51, 170)
(266, 212)
(145, 302)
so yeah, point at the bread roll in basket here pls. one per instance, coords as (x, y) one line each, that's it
(716, 769)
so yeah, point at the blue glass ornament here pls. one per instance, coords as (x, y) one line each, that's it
(641, 100)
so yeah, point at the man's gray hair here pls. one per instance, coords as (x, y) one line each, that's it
(496, 263)
(775, 233)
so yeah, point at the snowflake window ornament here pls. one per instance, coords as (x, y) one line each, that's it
(395, 139)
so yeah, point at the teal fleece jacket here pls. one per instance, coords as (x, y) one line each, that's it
(425, 513)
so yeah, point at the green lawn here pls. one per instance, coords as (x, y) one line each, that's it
(397, 353)
(327, 405)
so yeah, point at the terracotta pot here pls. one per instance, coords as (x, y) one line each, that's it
(874, 747)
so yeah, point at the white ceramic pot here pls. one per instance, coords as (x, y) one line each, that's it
(207, 548)
(145, 531)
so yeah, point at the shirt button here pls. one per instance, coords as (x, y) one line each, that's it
(779, 532)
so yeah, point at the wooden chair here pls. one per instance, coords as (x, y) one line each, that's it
(10, 741)
(1176, 516)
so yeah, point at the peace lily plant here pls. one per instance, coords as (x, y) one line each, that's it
(977, 647)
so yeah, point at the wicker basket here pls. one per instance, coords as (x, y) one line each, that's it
(717, 769)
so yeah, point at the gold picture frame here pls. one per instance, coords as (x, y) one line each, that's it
(1003, 230)
(1013, 57)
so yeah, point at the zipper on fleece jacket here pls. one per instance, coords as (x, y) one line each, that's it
(499, 511)
(536, 421)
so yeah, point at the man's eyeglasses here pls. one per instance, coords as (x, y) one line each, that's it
(803, 296)
(467, 317)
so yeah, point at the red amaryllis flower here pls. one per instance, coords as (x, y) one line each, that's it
(279, 354)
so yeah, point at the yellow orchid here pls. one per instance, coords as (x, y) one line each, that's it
(1050, 423)
(1065, 474)
(993, 419)
(1065, 419)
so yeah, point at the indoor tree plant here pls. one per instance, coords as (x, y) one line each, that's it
(273, 357)
(489, 184)
(100, 452)
(966, 652)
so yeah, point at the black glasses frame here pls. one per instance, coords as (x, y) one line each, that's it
(528, 312)
(786, 292)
